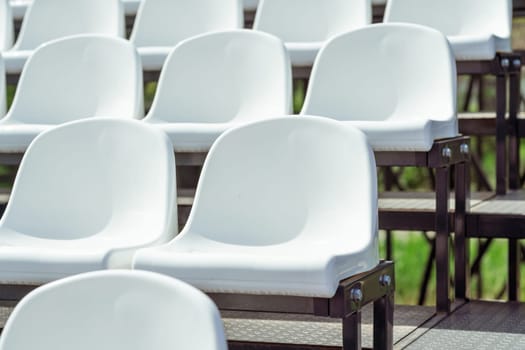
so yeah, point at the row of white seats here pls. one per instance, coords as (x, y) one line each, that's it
(476, 29)
(19, 7)
(111, 191)
(100, 193)
(90, 193)
(215, 81)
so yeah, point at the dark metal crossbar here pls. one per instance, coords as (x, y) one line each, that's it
(375, 286)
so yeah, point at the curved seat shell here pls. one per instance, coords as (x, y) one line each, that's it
(244, 75)
(87, 194)
(97, 76)
(115, 310)
(161, 24)
(409, 68)
(7, 28)
(286, 206)
(476, 29)
(47, 20)
(305, 25)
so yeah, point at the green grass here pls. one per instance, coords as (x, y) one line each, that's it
(410, 254)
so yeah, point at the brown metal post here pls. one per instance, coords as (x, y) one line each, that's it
(514, 140)
(442, 239)
(384, 322)
(461, 253)
(352, 331)
(501, 133)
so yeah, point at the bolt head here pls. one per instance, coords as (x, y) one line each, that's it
(505, 62)
(357, 295)
(464, 149)
(385, 280)
(446, 152)
(516, 62)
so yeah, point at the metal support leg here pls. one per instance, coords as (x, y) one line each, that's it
(442, 239)
(501, 133)
(384, 322)
(461, 261)
(514, 140)
(352, 331)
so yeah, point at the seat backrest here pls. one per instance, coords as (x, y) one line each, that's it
(47, 20)
(167, 22)
(311, 20)
(115, 310)
(288, 178)
(382, 72)
(96, 175)
(7, 25)
(79, 77)
(3, 89)
(233, 76)
(455, 17)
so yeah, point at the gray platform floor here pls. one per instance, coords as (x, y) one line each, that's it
(477, 325)
(474, 325)
(320, 331)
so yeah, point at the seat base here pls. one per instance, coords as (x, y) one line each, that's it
(376, 285)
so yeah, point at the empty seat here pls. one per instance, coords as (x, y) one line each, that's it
(161, 24)
(47, 20)
(3, 91)
(305, 25)
(215, 81)
(87, 194)
(115, 310)
(285, 206)
(395, 82)
(73, 78)
(476, 29)
(6, 25)
(20, 7)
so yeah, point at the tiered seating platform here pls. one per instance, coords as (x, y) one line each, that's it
(473, 325)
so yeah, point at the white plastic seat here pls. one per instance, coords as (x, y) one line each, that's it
(73, 78)
(283, 206)
(87, 194)
(115, 310)
(161, 24)
(20, 7)
(216, 81)
(46, 20)
(476, 29)
(395, 82)
(305, 25)
(3, 90)
(7, 26)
